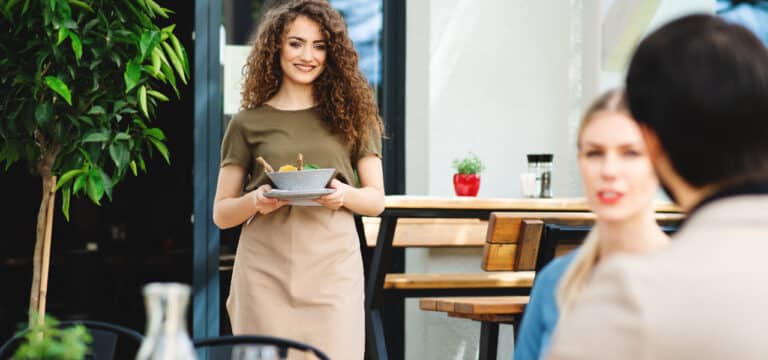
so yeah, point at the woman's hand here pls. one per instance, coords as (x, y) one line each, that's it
(265, 205)
(335, 200)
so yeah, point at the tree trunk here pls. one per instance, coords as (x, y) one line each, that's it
(41, 258)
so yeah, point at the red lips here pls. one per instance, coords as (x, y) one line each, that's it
(609, 197)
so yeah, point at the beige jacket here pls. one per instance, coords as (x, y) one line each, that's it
(704, 296)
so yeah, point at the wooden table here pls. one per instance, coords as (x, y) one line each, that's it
(384, 339)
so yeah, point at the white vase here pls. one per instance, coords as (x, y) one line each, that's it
(166, 337)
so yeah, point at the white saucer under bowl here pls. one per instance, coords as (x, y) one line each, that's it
(298, 194)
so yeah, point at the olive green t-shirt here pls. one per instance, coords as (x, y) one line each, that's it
(280, 135)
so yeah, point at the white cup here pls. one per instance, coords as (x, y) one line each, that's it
(528, 185)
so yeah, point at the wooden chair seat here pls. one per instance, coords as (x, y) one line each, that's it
(490, 311)
(509, 279)
(484, 305)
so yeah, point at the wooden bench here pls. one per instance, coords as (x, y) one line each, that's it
(489, 311)
(431, 233)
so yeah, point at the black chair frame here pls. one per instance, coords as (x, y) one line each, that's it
(282, 344)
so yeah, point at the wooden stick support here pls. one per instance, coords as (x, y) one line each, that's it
(46, 259)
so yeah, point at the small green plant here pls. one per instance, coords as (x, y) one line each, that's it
(46, 340)
(470, 164)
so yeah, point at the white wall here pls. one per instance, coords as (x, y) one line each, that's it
(495, 78)
(501, 78)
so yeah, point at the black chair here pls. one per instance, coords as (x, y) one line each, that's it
(554, 235)
(221, 347)
(105, 345)
(557, 234)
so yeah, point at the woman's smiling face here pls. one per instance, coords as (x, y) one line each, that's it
(303, 51)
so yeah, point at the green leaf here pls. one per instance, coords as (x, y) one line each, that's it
(157, 95)
(143, 19)
(81, 4)
(79, 183)
(69, 24)
(101, 136)
(168, 29)
(77, 45)
(155, 133)
(120, 154)
(97, 110)
(157, 51)
(143, 100)
(175, 61)
(139, 122)
(133, 168)
(86, 120)
(67, 176)
(156, 62)
(171, 78)
(59, 87)
(132, 75)
(146, 7)
(116, 59)
(157, 8)
(9, 153)
(43, 113)
(142, 165)
(161, 148)
(107, 183)
(89, 25)
(180, 53)
(148, 41)
(63, 33)
(123, 136)
(66, 194)
(94, 187)
(119, 105)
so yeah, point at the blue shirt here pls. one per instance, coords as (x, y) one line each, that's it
(541, 314)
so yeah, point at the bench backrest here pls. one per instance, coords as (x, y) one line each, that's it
(514, 239)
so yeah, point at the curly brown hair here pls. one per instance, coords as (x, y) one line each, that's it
(344, 96)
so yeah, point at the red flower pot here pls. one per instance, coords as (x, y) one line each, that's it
(466, 184)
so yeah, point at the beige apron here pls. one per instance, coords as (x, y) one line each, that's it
(298, 274)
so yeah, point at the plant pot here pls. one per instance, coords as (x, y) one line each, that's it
(466, 184)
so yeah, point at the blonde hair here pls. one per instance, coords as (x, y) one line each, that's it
(588, 253)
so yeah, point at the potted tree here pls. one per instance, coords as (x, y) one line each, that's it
(466, 180)
(80, 81)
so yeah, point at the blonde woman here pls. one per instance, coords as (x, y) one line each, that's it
(620, 187)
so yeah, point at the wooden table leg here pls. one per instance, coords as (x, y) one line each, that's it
(489, 340)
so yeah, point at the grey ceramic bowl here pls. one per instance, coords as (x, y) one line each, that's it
(302, 180)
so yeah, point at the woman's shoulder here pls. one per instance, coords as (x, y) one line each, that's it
(248, 114)
(553, 271)
(260, 117)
